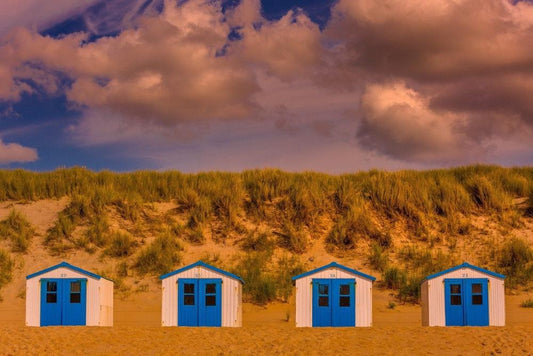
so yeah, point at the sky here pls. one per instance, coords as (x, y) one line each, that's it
(335, 86)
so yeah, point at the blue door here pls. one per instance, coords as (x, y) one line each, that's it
(476, 303)
(199, 302)
(74, 302)
(63, 301)
(466, 302)
(333, 302)
(50, 302)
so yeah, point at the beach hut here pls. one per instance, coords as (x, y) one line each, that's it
(201, 295)
(464, 295)
(68, 295)
(333, 295)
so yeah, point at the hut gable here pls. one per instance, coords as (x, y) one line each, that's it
(201, 264)
(67, 266)
(466, 265)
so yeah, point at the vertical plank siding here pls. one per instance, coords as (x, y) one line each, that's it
(106, 302)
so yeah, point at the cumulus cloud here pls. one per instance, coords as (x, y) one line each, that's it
(167, 70)
(466, 58)
(288, 48)
(435, 40)
(171, 68)
(398, 122)
(13, 152)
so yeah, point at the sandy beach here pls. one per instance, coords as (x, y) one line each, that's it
(267, 330)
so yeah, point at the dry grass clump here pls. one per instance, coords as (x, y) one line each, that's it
(17, 230)
(357, 223)
(258, 241)
(419, 263)
(292, 239)
(6, 268)
(161, 256)
(528, 303)
(515, 260)
(265, 280)
(121, 245)
(97, 232)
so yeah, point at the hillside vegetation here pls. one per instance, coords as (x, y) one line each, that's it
(268, 225)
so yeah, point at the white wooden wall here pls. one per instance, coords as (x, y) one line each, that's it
(106, 302)
(304, 297)
(231, 295)
(433, 298)
(33, 296)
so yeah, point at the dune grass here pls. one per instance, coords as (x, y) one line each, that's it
(17, 230)
(6, 268)
(161, 256)
(289, 211)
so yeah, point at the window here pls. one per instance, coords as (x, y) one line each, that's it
(344, 301)
(188, 288)
(210, 288)
(323, 301)
(455, 300)
(51, 286)
(477, 294)
(188, 299)
(476, 288)
(455, 289)
(455, 294)
(210, 294)
(188, 294)
(75, 292)
(210, 300)
(477, 300)
(323, 295)
(51, 292)
(345, 289)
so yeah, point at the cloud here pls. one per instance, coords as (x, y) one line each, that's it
(439, 40)
(398, 122)
(166, 71)
(38, 14)
(13, 152)
(173, 68)
(466, 58)
(287, 48)
(435, 81)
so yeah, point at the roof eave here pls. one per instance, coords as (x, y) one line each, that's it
(335, 265)
(201, 264)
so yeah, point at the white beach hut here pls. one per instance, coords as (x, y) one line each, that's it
(463, 295)
(201, 295)
(68, 295)
(333, 295)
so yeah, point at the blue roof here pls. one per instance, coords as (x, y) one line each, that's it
(465, 265)
(64, 265)
(201, 264)
(334, 265)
